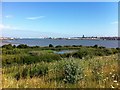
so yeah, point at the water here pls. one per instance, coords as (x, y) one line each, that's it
(65, 51)
(46, 42)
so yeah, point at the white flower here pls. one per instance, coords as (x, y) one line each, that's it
(113, 75)
(117, 84)
(110, 72)
(106, 77)
(112, 86)
(115, 81)
(113, 70)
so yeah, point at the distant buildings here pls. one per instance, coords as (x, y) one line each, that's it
(88, 38)
(71, 38)
(6, 38)
(110, 38)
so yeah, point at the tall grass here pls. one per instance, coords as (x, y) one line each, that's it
(102, 74)
(37, 67)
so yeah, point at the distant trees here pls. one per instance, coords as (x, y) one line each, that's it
(95, 46)
(9, 46)
(22, 46)
(58, 46)
(50, 45)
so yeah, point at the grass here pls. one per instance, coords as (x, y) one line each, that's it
(109, 67)
(89, 67)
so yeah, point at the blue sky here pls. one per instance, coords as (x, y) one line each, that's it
(59, 19)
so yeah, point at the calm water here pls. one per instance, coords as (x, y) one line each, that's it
(46, 42)
(65, 51)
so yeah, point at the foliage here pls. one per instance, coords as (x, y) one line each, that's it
(58, 46)
(29, 58)
(9, 46)
(97, 71)
(11, 51)
(50, 45)
(95, 46)
(22, 46)
(82, 53)
(40, 67)
(32, 71)
(72, 72)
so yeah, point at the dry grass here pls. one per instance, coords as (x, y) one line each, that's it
(109, 71)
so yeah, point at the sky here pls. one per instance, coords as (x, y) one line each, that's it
(59, 19)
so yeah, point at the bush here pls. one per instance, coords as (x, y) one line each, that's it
(99, 52)
(12, 51)
(50, 45)
(22, 46)
(58, 46)
(114, 50)
(45, 56)
(72, 72)
(38, 70)
(101, 47)
(32, 57)
(9, 46)
(81, 53)
(74, 45)
(95, 46)
(108, 51)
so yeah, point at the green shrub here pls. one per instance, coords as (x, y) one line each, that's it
(81, 53)
(101, 47)
(58, 46)
(38, 70)
(12, 51)
(50, 45)
(99, 52)
(95, 46)
(24, 58)
(107, 51)
(9, 46)
(72, 72)
(22, 46)
(114, 50)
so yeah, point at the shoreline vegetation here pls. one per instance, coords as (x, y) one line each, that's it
(41, 67)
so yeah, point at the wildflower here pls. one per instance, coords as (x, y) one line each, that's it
(112, 86)
(117, 84)
(110, 73)
(115, 81)
(106, 77)
(113, 76)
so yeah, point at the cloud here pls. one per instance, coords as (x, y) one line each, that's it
(35, 18)
(115, 22)
(8, 16)
(8, 27)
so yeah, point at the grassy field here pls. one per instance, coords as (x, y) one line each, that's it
(37, 67)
